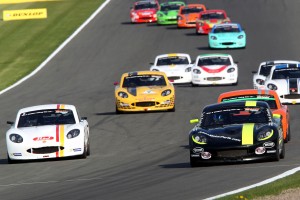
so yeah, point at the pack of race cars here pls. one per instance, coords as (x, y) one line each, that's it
(244, 125)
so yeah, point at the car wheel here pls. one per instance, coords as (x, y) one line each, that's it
(84, 155)
(236, 83)
(172, 110)
(277, 156)
(289, 133)
(117, 111)
(193, 162)
(10, 161)
(282, 152)
(88, 148)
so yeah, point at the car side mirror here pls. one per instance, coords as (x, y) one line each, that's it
(151, 63)
(254, 72)
(236, 62)
(116, 83)
(10, 122)
(83, 118)
(193, 121)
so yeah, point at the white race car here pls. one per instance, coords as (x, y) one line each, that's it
(264, 69)
(47, 131)
(285, 80)
(177, 67)
(214, 69)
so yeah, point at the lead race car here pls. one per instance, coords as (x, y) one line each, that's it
(143, 91)
(177, 67)
(236, 132)
(214, 69)
(144, 11)
(47, 131)
(285, 80)
(264, 68)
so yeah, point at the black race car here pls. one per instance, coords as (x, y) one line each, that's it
(236, 131)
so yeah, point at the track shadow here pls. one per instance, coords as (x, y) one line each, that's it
(106, 113)
(195, 35)
(176, 165)
(5, 161)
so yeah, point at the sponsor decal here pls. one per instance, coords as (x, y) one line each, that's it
(271, 151)
(195, 155)
(149, 92)
(221, 137)
(40, 13)
(44, 138)
(77, 149)
(17, 154)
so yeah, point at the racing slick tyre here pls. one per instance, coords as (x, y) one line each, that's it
(236, 83)
(289, 133)
(282, 153)
(10, 161)
(193, 162)
(88, 148)
(277, 156)
(85, 152)
(117, 111)
(172, 110)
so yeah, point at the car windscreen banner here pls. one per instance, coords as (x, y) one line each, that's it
(39, 13)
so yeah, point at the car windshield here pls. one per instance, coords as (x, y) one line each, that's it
(144, 80)
(190, 10)
(146, 5)
(208, 16)
(269, 99)
(239, 115)
(227, 29)
(174, 60)
(46, 117)
(170, 7)
(214, 61)
(286, 73)
(265, 70)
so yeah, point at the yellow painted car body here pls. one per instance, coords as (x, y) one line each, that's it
(144, 91)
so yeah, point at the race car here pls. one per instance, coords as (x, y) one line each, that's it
(235, 132)
(268, 96)
(167, 14)
(177, 67)
(229, 35)
(214, 69)
(143, 91)
(144, 11)
(188, 14)
(207, 19)
(47, 131)
(264, 69)
(284, 79)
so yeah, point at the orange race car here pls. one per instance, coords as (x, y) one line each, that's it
(188, 14)
(269, 96)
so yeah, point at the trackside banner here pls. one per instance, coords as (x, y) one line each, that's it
(24, 14)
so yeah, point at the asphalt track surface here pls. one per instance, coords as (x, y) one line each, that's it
(145, 156)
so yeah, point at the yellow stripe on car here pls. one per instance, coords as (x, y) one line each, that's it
(250, 103)
(172, 54)
(247, 134)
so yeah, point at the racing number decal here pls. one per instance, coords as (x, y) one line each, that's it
(247, 134)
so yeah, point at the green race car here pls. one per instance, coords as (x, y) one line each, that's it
(168, 12)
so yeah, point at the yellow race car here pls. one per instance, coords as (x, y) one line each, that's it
(144, 91)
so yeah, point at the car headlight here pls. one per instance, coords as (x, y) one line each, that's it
(196, 71)
(159, 15)
(73, 133)
(188, 69)
(213, 37)
(230, 70)
(123, 95)
(272, 86)
(155, 70)
(16, 138)
(166, 93)
(199, 139)
(264, 135)
(260, 81)
(240, 36)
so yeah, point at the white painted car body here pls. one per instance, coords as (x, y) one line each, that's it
(47, 131)
(177, 67)
(259, 76)
(214, 69)
(285, 80)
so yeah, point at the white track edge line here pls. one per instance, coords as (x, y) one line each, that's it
(57, 50)
(275, 178)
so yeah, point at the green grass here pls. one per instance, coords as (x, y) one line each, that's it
(274, 188)
(25, 44)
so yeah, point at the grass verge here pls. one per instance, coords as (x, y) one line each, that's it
(24, 44)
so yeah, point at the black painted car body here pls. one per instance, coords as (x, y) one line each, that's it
(236, 131)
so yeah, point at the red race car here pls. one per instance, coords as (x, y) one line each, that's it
(144, 11)
(188, 14)
(269, 96)
(207, 19)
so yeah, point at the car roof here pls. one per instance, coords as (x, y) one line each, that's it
(212, 11)
(227, 24)
(237, 104)
(135, 73)
(213, 54)
(47, 106)
(173, 54)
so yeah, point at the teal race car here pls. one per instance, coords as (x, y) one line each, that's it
(227, 35)
(168, 12)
